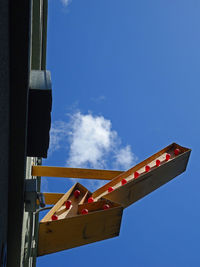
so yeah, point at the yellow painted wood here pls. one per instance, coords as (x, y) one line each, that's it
(52, 198)
(97, 205)
(46, 171)
(72, 229)
(146, 183)
(127, 173)
(78, 230)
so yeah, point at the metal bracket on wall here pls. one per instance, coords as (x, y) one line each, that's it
(32, 197)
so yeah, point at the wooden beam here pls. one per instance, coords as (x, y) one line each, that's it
(47, 171)
(52, 198)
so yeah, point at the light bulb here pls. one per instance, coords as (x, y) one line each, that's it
(84, 211)
(90, 199)
(147, 168)
(136, 175)
(106, 207)
(110, 189)
(54, 217)
(123, 181)
(177, 151)
(68, 204)
(77, 193)
(157, 162)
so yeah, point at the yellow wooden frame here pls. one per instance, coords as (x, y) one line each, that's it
(73, 228)
(46, 171)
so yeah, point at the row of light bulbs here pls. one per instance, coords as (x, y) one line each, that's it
(77, 192)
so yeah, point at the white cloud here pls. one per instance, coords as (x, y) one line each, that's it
(58, 134)
(91, 138)
(66, 2)
(91, 143)
(124, 158)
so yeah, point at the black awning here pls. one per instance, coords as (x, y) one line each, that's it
(39, 113)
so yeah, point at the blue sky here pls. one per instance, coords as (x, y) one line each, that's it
(130, 69)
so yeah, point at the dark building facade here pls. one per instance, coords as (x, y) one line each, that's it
(23, 32)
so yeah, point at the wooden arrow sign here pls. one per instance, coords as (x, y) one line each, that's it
(80, 217)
